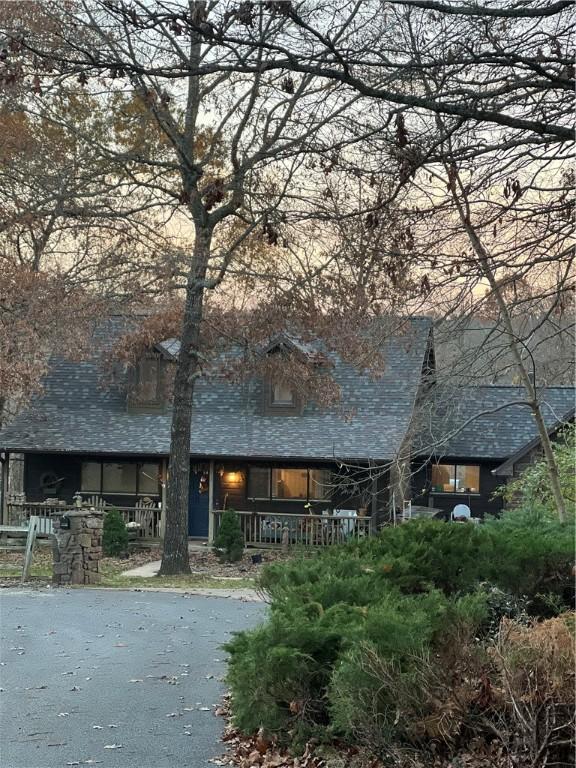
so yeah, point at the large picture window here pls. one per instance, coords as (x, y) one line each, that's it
(290, 484)
(120, 478)
(456, 478)
(296, 484)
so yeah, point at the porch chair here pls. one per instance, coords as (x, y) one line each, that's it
(147, 517)
(461, 513)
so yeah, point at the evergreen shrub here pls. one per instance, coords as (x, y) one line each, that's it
(419, 591)
(533, 555)
(229, 541)
(114, 535)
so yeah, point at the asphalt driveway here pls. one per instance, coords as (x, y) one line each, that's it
(110, 678)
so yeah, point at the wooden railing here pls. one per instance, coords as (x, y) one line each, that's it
(263, 529)
(144, 521)
(19, 513)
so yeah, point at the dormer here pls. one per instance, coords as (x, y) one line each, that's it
(149, 379)
(279, 397)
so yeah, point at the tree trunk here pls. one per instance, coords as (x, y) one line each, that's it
(175, 555)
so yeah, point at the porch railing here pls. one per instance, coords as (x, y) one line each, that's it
(145, 520)
(263, 529)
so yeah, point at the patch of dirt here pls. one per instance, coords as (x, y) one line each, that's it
(135, 559)
(42, 557)
(207, 563)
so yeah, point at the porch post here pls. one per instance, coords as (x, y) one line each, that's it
(211, 503)
(4, 490)
(163, 499)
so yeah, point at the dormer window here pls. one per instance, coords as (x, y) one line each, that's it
(281, 400)
(282, 395)
(146, 385)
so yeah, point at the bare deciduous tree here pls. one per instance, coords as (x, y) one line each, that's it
(233, 165)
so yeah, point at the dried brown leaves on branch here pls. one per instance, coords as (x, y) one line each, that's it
(230, 160)
(240, 118)
(39, 316)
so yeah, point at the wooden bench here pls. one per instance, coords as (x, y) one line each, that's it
(30, 531)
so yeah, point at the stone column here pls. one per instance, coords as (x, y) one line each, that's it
(77, 550)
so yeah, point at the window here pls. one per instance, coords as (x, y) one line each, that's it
(279, 399)
(149, 379)
(467, 478)
(289, 483)
(456, 478)
(282, 395)
(319, 483)
(148, 478)
(146, 385)
(259, 483)
(121, 477)
(91, 476)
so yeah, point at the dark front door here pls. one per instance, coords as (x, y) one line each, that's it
(198, 505)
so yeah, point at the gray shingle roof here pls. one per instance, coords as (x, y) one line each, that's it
(495, 435)
(507, 468)
(76, 414)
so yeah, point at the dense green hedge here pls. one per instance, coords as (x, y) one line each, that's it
(524, 554)
(407, 594)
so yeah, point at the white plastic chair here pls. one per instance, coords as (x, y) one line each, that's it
(461, 511)
(346, 526)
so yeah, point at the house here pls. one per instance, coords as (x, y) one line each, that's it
(256, 447)
(468, 435)
(531, 451)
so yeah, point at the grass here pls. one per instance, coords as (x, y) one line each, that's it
(36, 572)
(111, 574)
(193, 581)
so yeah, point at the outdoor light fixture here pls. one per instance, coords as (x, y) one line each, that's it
(233, 477)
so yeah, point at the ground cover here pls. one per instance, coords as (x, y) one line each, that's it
(207, 569)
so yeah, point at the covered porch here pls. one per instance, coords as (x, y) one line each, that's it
(279, 504)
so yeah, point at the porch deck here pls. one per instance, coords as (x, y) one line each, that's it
(144, 521)
(265, 529)
(260, 529)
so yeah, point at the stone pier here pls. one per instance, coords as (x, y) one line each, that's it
(77, 549)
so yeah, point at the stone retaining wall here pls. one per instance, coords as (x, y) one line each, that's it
(77, 550)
